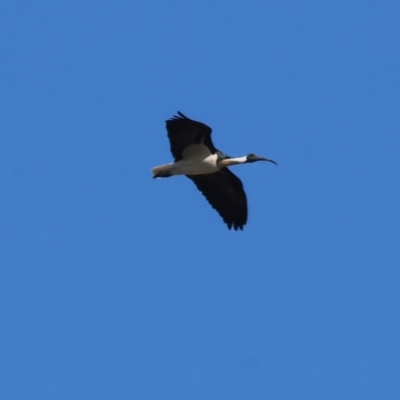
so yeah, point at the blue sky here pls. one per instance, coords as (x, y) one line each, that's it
(116, 286)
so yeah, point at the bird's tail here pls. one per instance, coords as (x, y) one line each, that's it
(162, 171)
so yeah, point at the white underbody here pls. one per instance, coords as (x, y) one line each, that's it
(197, 160)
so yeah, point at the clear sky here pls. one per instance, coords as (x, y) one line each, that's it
(117, 286)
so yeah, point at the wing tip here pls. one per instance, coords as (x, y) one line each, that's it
(236, 226)
(178, 116)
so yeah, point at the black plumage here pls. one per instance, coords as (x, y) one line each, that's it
(183, 132)
(223, 189)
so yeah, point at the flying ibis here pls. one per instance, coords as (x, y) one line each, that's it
(197, 158)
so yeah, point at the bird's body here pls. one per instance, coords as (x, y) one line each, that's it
(198, 159)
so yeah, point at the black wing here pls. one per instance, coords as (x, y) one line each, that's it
(183, 132)
(224, 191)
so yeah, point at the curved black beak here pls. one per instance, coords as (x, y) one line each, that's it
(266, 159)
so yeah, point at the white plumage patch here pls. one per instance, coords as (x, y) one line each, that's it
(197, 160)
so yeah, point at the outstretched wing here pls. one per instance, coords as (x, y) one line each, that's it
(183, 132)
(224, 191)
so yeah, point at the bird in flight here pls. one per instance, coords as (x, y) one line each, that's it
(197, 158)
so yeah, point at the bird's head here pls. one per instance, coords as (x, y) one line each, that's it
(253, 158)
